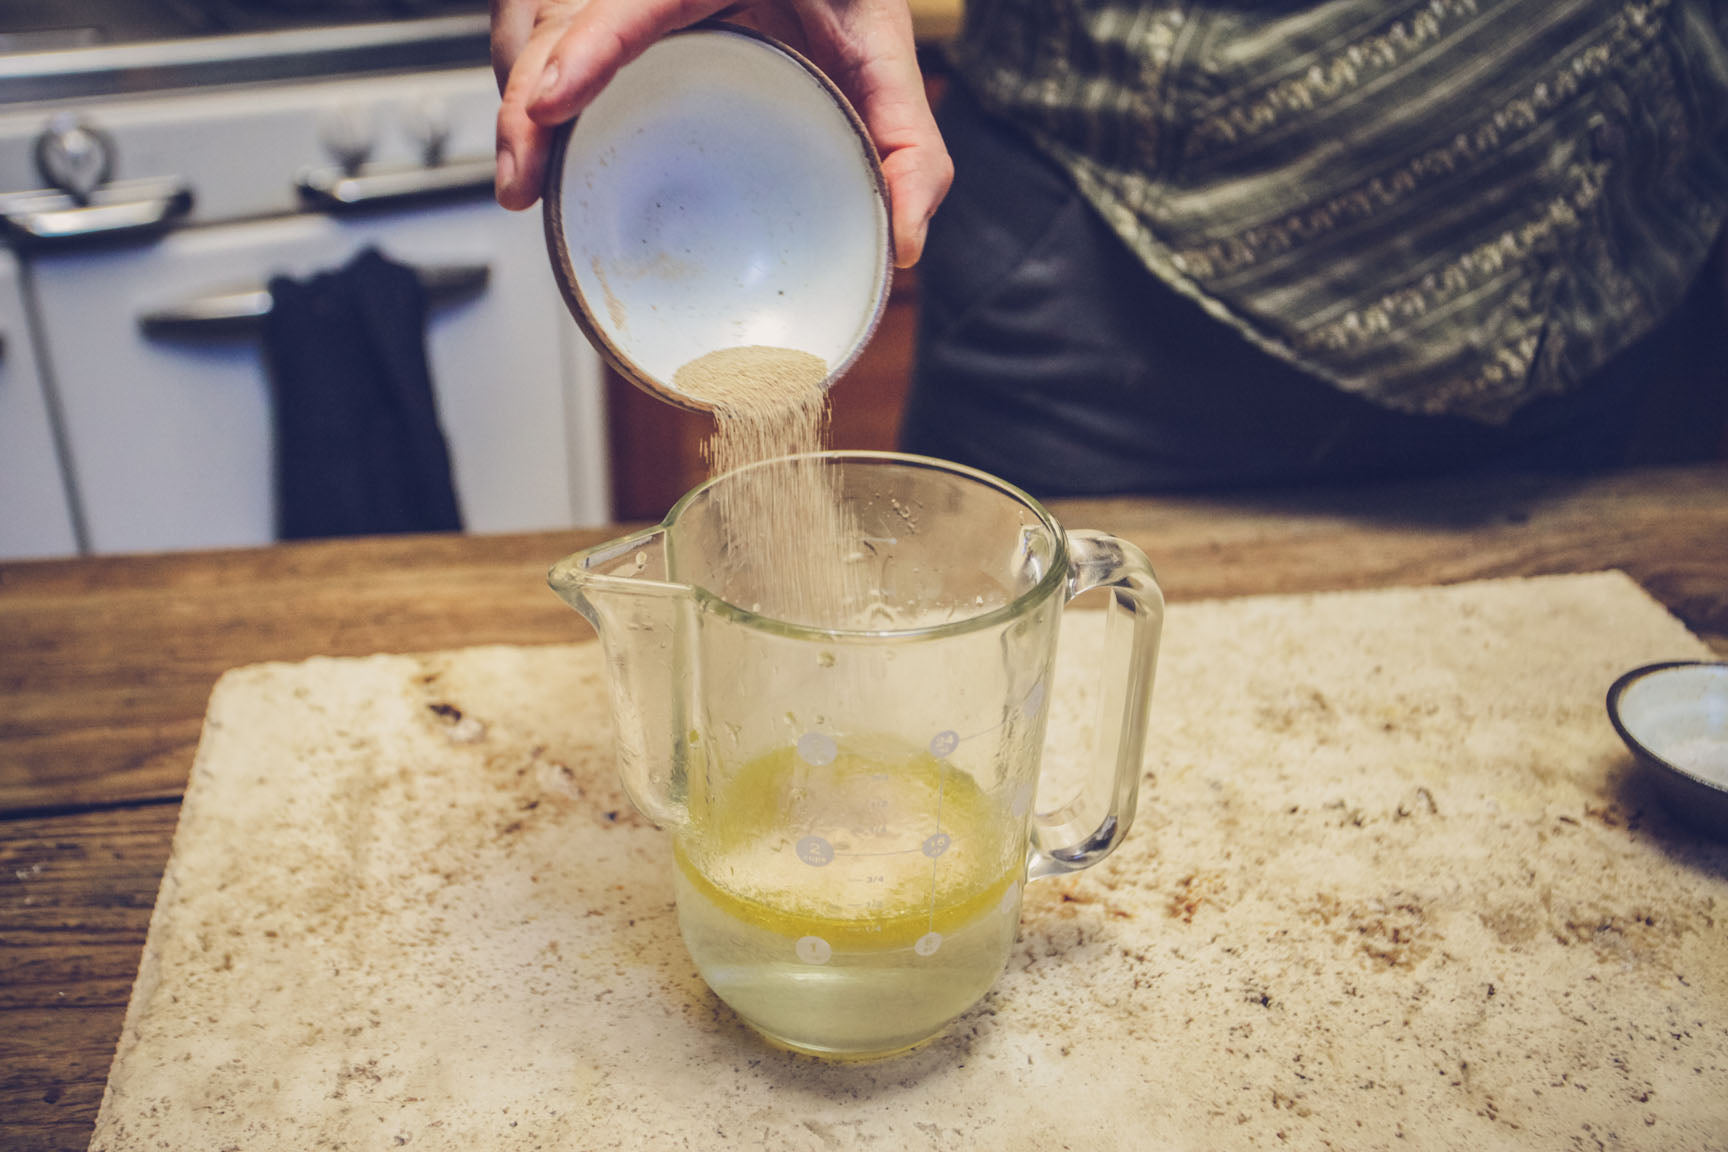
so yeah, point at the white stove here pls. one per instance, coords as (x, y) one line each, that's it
(149, 190)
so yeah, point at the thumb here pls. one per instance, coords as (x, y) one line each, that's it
(918, 176)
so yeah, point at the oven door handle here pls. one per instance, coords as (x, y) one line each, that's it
(56, 218)
(243, 310)
(336, 188)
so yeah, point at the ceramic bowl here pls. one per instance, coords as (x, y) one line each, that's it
(719, 192)
(1674, 717)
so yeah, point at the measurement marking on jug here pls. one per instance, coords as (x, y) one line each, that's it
(946, 741)
(939, 840)
(885, 852)
(941, 788)
(928, 943)
(813, 950)
(817, 749)
(815, 851)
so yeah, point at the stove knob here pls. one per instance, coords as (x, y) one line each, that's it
(428, 125)
(348, 136)
(74, 157)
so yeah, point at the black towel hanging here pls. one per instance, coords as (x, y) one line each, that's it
(359, 448)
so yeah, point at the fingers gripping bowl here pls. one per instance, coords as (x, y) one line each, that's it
(719, 193)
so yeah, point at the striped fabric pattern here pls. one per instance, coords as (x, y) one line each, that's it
(1444, 206)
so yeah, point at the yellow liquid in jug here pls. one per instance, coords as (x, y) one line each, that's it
(852, 907)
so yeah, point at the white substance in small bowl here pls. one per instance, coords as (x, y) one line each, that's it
(1703, 756)
(1674, 717)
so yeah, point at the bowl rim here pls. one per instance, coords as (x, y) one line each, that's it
(552, 219)
(1643, 751)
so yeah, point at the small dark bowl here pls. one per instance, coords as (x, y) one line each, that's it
(1674, 717)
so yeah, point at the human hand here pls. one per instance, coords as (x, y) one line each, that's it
(552, 57)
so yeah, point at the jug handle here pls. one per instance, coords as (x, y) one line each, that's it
(1085, 831)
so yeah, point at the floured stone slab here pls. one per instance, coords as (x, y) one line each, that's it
(1394, 881)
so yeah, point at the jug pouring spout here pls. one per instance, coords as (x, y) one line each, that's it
(631, 566)
(622, 588)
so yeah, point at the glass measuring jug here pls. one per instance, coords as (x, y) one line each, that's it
(851, 799)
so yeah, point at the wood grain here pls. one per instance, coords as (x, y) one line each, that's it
(1666, 528)
(76, 893)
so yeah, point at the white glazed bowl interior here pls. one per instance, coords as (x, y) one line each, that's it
(717, 194)
(1679, 714)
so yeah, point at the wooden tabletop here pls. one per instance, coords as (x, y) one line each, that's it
(106, 664)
